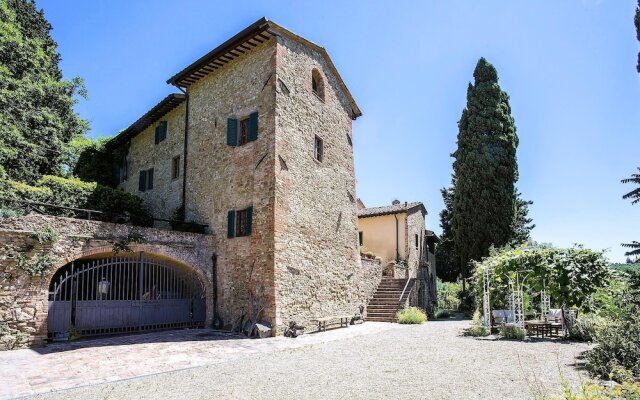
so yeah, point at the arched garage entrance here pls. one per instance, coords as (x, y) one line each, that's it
(107, 295)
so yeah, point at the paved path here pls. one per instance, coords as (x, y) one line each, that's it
(374, 360)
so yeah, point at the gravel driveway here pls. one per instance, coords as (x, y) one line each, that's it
(430, 361)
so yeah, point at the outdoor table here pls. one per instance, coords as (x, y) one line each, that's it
(538, 328)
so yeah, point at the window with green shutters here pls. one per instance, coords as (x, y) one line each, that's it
(253, 126)
(161, 132)
(242, 131)
(142, 181)
(239, 222)
(150, 179)
(145, 180)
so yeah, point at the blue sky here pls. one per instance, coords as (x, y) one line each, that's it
(569, 67)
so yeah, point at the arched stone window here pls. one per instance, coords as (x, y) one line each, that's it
(317, 84)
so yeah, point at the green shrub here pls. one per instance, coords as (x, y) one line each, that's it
(411, 315)
(23, 191)
(67, 192)
(477, 329)
(448, 294)
(509, 331)
(444, 313)
(46, 235)
(593, 391)
(617, 352)
(115, 205)
(584, 329)
(8, 213)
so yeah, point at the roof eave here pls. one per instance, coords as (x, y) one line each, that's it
(185, 78)
(166, 105)
(239, 38)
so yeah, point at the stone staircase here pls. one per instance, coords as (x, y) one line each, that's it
(386, 301)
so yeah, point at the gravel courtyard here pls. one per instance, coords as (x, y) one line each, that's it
(427, 361)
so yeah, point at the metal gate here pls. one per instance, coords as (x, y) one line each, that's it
(123, 294)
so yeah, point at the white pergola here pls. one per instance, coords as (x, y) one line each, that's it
(516, 304)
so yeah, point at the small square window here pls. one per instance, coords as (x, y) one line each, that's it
(318, 150)
(243, 137)
(175, 167)
(241, 223)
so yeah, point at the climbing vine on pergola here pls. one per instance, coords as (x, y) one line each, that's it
(566, 278)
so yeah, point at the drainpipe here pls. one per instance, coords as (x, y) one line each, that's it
(184, 163)
(397, 240)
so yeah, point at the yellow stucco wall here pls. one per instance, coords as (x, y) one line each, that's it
(379, 235)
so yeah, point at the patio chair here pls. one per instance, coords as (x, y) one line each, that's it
(498, 318)
(510, 317)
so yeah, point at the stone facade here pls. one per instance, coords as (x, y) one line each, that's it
(301, 259)
(317, 259)
(222, 178)
(144, 153)
(24, 299)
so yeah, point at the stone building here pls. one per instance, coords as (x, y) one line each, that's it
(397, 233)
(257, 146)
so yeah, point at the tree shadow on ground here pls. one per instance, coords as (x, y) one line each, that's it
(168, 336)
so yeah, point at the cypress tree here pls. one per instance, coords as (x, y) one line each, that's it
(522, 224)
(37, 119)
(448, 264)
(485, 169)
(637, 23)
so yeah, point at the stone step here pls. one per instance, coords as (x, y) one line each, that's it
(394, 303)
(387, 316)
(383, 307)
(387, 295)
(381, 319)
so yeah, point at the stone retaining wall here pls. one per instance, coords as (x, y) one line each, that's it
(24, 299)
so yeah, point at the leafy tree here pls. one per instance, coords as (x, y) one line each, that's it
(36, 104)
(485, 170)
(634, 195)
(95, 163)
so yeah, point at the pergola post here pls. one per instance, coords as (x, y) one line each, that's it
(486, 304)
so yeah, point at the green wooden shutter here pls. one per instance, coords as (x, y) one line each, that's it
(142, 181)
(150, 179)
(253, 126)
(231, 223)
(163, 131)
(232, 132)
(249, 219)
(157, 135)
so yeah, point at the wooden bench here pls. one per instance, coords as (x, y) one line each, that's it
(322, 322)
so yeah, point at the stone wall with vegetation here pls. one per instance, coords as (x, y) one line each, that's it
(33, 247)
(317, 262)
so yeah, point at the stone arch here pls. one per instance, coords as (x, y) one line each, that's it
(317, 83)
(156, 258)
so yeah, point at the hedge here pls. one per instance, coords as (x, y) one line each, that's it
(116, 205)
